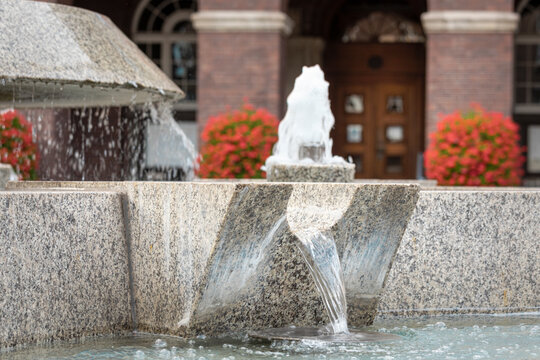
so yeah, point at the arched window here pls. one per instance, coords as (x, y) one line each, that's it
(163, 30)
(384, 27)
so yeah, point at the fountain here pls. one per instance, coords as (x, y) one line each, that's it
(304, 148)
(279, 260)
(6, 174)
(90, 93)
(62, 56)
(267, 238)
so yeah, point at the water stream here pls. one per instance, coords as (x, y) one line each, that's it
(320, 253)
(304, 132)
(111, 143)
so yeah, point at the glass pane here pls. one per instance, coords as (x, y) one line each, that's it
(521, 53)
(394, 133)
(535, 72)
(184, 66)
(156, 51)
(394, 164)
(521, 74)
(184, 60)
(354, 104)
(180, 115)
(354, 133)
(535, 95)
(394, 104)
(184, 27)
(525, 54)
(521, 95)
(357, 161)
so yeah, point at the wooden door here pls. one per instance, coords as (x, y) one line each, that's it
(379, 114)
(375, 128)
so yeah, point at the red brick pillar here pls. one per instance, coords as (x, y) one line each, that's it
(240, 54)
(470, 52)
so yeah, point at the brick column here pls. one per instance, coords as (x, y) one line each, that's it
(470, 52)
(240, 54)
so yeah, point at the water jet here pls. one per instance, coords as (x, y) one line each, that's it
(304, 148)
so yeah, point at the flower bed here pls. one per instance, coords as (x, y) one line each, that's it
(16, 145)
(236, 144)
(477, 148)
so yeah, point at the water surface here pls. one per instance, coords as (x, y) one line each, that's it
(478, 337)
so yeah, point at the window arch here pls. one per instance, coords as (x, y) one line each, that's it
(163, 30)
(384, 27)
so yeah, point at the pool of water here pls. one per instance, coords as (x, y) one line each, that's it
(478, 337)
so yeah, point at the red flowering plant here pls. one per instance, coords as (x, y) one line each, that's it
(16, 145)
(477, 148)
(236, 144)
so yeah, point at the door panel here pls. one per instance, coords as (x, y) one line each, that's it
(375, 128)
(392, 106)
(393, 117)
(354, 135)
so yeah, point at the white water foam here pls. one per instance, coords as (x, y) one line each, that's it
(308, 121)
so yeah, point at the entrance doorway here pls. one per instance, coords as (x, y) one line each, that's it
(377, 94)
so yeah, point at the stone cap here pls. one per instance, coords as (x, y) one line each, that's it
(60, 56)
(460, 21)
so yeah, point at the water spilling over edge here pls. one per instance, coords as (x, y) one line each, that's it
(320, 254)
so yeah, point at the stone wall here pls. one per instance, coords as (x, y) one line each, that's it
(63, 266)
(467, 251)
(64, 269)
(212, 257)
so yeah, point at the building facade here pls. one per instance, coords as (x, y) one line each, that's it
(393, 65)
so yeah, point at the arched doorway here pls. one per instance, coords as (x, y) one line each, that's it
(374, 60)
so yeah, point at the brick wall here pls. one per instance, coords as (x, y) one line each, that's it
(237, 65)
(465, 68)
(492, 5)
(232, 66)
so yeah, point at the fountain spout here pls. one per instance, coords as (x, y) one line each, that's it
(304, 148)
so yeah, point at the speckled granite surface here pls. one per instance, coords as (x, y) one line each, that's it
(172, 230)
(468, 250)
(424, 184)
(367, 222)
(72, 56)
(263, 280)
(329, 173)
(63, 266)
(212, 257)
(255, 279)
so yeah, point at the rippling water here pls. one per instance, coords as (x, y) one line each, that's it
(482, 337)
